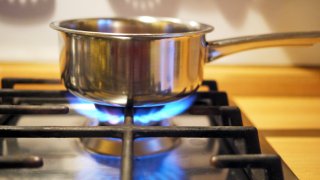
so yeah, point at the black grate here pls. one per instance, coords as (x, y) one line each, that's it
(231, 128)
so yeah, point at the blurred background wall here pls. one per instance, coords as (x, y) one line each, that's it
(26, 36)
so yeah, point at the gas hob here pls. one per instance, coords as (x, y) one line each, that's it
(43, 136)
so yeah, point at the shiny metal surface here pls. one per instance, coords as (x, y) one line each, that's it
(223, 47)
(113, 147)
(147, 60)
(65, 158)
(142, 146)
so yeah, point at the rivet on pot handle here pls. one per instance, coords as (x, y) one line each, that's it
(223, 47)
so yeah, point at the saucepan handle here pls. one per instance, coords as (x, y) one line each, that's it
(223, 47)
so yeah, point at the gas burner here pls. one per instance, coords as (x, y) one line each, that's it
(142, 146)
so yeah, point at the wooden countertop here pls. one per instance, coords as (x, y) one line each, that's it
(282, 102)
(292, 126)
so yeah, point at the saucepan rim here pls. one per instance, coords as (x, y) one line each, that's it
(194, 27)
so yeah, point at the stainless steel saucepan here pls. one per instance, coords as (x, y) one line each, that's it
(145, 60)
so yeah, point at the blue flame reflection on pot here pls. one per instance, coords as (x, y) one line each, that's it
(143, 115)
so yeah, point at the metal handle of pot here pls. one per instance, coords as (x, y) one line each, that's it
(223, 47)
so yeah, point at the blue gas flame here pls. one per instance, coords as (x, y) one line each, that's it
(88, 109)
(141, 115)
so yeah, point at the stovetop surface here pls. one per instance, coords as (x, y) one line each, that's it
(213, 144)
(68, 159)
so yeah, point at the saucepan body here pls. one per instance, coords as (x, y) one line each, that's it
(145, 61)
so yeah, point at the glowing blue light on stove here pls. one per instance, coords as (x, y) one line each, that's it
(142, 115)
(160, 166)
(88, 109)
(167, 111)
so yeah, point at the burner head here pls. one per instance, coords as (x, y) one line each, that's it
(142, 146)
(142, 115)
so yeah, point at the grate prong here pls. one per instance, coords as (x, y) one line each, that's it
(33, 109)
(7, 162)
(271, 163)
